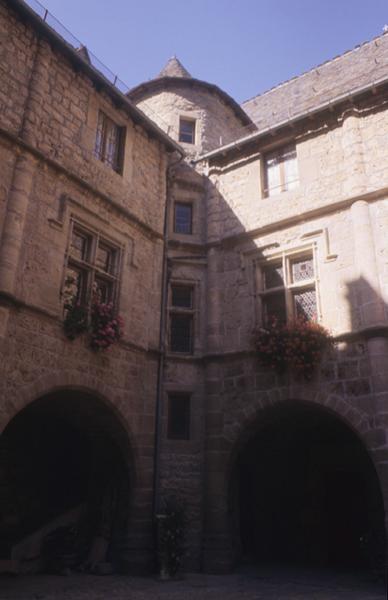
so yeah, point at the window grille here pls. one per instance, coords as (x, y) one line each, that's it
(288, 288)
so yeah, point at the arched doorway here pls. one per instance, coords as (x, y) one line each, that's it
(305, 492)
(64, 485)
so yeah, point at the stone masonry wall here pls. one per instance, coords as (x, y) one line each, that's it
(216, 122)
(50, 176)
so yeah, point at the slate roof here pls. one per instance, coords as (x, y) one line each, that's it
(356, 68)
(174, 68)
(175, 76)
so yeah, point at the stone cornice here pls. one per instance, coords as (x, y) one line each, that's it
(13, 302)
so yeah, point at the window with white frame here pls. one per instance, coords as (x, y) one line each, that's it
(280, 171)
(288, 288)
(92, 267)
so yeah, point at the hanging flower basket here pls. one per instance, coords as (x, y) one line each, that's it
(105, 325)
(297, 346)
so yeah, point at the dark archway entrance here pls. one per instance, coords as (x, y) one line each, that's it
(307, 493)
(64, 485)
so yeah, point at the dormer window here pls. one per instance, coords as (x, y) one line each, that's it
(187, 131)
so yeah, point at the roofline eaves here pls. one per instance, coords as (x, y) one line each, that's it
(135, 113)
(317, 109)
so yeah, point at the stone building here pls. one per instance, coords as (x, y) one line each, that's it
(200, 219)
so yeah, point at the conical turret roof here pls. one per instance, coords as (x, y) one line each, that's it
(174, 68)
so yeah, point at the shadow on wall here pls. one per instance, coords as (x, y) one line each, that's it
(308, 476)
(65, 485)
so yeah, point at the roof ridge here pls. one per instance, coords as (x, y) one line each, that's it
(315, 68)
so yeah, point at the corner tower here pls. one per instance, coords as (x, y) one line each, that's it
(193, 112)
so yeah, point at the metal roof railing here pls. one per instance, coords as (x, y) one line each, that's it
(61, 30)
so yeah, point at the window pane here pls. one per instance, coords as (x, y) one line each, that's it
(274, 308)
(290, 171)
(306, 305)
(183, 218)
(99, 147)
(179, 416)
(186, 131)
(74, 289)
(182, 296)
(105, 258)
(79, 247)
(112, 145)
(102, 290)
(302, 268)
(273, 180)
(108, 142)
(181, 333)
(273, 276)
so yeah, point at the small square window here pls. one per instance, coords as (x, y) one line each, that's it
(183, 218)
(182, 296)
(109, 146)
(187, 131)
(178, 417)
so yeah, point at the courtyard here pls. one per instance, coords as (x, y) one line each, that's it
(246, 584)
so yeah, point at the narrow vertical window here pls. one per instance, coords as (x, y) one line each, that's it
(181, 319)
(183, 218)
(187, 131)
(109, 147)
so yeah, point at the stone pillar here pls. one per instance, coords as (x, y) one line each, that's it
(353, 151)
(370, 303)
(23, 176)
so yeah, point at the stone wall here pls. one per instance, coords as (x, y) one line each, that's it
(50, 177)
(216, 122)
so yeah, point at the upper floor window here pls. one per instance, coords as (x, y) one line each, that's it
(92, 268)
(109, 146)
(280, 171)
(187, 131)
(181, 319)
(183, 218)
(289, 288)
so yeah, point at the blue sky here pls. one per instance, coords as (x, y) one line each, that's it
(244, 46)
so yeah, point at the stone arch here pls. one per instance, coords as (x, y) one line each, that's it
(363, 425)
(335, 412)
(90, 471)
(72, 380)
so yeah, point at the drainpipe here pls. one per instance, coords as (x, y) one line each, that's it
(162, 335)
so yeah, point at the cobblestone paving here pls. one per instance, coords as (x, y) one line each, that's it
(247, 584)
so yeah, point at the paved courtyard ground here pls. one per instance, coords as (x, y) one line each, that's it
(246, 584)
